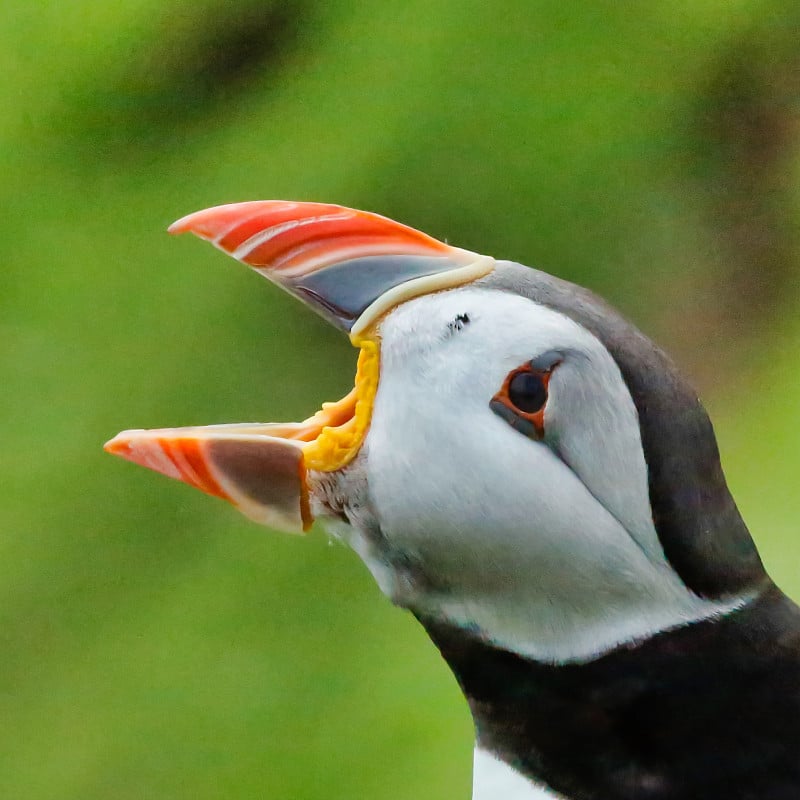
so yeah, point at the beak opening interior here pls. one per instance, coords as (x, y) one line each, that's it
(262, 469)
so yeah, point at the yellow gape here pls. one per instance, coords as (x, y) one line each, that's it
(345, 422)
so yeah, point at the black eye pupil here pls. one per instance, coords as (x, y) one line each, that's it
(527, 392)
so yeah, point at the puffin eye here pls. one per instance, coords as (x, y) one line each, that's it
(523, 396)
(527, 391)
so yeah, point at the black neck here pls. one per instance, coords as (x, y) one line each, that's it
(710, 710)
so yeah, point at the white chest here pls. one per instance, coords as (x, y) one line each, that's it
(494, 780)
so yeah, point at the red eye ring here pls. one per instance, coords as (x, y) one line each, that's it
(525, 386)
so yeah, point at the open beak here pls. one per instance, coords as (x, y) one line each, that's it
(350, 266)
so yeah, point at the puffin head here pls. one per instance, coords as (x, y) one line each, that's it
(516, 461)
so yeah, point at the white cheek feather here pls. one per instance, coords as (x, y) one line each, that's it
(549, 552)
(597, 429)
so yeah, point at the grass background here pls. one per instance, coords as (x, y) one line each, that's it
(153, 644)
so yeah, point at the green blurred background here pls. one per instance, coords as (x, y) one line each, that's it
(154, 644)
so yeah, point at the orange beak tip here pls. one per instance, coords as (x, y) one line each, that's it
(118, 446)
(196, 222)
(210, 222)
(181, 225)
(143, 448)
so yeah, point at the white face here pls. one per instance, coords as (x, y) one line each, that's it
(545, 547)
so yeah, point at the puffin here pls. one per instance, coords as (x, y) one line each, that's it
(529, 475)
